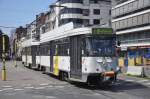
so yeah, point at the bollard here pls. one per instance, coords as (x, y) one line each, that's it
(4, 67)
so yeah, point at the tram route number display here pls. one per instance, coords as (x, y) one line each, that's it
(102, 31)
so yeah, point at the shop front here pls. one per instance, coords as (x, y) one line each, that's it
(134, 56)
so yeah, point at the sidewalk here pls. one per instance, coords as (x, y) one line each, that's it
(133, 79)
(20, 76)
(137, 71)
(147, 71)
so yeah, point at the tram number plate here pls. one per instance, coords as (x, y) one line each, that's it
(109, 73)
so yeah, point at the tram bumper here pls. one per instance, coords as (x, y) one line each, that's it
(109, 76)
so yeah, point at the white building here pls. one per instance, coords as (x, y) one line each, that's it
(80, 12)
(131, 20)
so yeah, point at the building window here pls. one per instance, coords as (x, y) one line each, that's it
(71, 1)
(140, 3)
(94, 1)
(96, 21)
(145, 18)
(74, 20)
(86, 22)
(140, 19)
(71, 10)
(86, 12)
(135, 20)
(114, 25)
(96, 11)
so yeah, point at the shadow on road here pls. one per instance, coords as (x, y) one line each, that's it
(119, 86)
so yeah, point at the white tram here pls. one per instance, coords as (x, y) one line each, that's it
(30, 54)
(82, 54)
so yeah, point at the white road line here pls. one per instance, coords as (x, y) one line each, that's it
(18, 89)
(1, 90)
(6, 86)
(29, 87)
(129, 80)
(51, 97)
(50, 86)
(147, 83)
(59, 86)
(39, 87)
(5, 89)
(141, 81)
(44, 84)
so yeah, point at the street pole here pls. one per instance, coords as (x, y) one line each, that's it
(4, 67)
(15, 61)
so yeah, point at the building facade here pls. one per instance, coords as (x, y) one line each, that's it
(80, 12)
(39, 25)
(16, 40)
(131, 21)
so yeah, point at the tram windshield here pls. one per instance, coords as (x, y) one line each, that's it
(101, 46)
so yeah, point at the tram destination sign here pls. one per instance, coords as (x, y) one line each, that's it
(99, 31)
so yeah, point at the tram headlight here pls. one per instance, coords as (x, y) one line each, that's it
(108, 59)
(99, 60)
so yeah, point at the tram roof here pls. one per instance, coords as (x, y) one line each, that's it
(65, 31)
(29, 42)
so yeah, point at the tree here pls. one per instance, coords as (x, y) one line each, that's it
(6, 42)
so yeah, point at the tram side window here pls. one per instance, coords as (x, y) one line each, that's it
(63, 49)
(22, 51)
(44, 50)
(28, 51)
(83, 47)
(37, 51)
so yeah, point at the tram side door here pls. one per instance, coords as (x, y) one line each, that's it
(75, 57)
(26, 51)
(33, 53)
(51, 56)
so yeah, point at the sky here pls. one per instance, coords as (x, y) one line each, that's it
(15, 13)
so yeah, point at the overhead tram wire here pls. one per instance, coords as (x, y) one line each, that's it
(7, 27)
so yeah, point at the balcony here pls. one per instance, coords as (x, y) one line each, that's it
(136, 41)
(130, 8)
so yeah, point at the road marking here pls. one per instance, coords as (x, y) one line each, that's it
(44, 84)
(29, 87)
(129, 80)
(18, 89)
(51, 97)
(1, 90)
(147, 83)
(6, 86)
(50, 86)
(140, 81)
(59, 86)
(40, 88)
(7, 89)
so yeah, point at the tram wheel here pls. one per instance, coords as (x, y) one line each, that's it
(29, 66)
(63, 76)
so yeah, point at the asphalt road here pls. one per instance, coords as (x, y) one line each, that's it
(23, 83)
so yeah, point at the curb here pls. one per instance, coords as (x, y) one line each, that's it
(129, 75)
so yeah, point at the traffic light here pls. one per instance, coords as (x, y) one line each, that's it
(6, 44)
(118, 43)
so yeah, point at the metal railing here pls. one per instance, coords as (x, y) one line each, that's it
(145, 40)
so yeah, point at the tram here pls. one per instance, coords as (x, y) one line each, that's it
(30, 54)
(83, 54)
